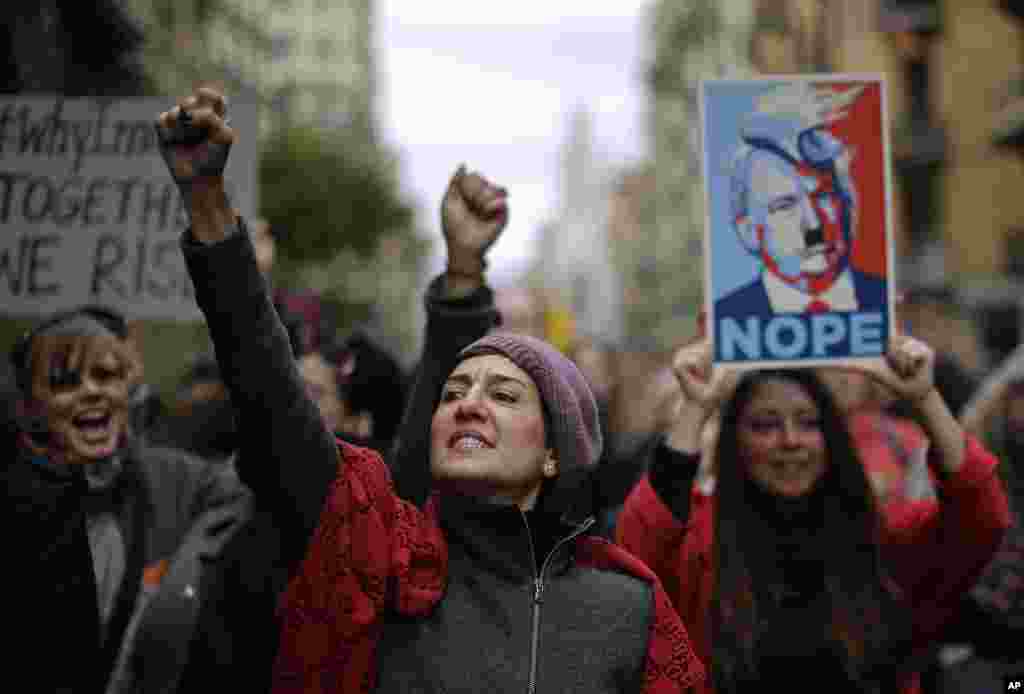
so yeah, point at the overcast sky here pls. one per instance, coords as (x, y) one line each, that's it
(495, 88)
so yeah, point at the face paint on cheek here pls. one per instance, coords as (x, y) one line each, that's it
(32, 414)
(61, 374)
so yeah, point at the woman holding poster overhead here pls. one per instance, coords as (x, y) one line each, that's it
(790, 562)
(796, 243)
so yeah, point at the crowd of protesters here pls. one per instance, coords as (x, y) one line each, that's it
(302, 515)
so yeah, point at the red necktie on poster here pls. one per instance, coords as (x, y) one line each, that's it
(817, 306)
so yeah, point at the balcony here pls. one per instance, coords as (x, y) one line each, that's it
(1014, 8)
(1008, 130)
(914, 16)
(919, 154)
(918, 145)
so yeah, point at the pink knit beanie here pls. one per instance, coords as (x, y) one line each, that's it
(568, 402)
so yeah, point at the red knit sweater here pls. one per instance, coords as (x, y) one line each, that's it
(373, 550)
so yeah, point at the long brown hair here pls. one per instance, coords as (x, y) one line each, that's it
(863, 613)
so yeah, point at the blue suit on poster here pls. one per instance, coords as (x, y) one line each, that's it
(792, 206)
(800, 335)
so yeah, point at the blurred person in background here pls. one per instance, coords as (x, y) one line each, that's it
(986, 642)
(522, 311)
(146, 407)
(596, 361)
(113, 531)
(789, 573)
(264, 245)
(373, 391)
(300, 312)
(201, 417)
(893, 448)
(933, 315)
(633, 445)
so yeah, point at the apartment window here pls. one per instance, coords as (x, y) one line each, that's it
(917, 81)
(921, 200)
(1000, 326)
(280, 47)
(772, 16)
(324, 48)
(1014, 245)
(921, 16)
(919, 139)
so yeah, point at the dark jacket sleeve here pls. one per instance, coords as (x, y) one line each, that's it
(286, 457)
(672, 475)
(218, 487)
(667, 523)
(622, 464)
(51, 580)
(452, 323)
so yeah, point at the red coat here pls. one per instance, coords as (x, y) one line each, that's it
(373, 551)
(935, 554)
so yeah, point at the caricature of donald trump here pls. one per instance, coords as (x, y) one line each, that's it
(793, 207)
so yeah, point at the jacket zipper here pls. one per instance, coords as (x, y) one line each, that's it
(538, 592)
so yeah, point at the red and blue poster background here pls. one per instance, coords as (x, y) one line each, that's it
(798, 249)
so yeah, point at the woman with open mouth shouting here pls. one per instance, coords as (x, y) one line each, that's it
(488, 576)
(107, 532)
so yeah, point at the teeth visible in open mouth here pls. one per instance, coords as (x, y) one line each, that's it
(468, 442)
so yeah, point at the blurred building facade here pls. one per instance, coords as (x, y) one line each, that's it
(309, 61)
(956, 107)
(575, 264)
(307, 64)
(658, 211)
(322, 69)
(954, 76)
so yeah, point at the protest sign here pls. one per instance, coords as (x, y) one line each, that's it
(798, 247)
(88, 211)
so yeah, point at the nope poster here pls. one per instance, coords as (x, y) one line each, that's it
(798, 248)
